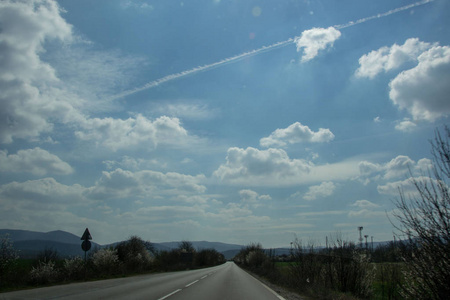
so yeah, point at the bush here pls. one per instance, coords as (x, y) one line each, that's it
(74, 268)
(168, 260)
(134, 254)
(44, 273)
(48, 254)
(424, 219)
(252, 256)
(8, 258)
(342, 268)
(208, 257)
(106, 261)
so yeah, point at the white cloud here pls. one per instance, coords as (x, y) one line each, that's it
(252, 197)
(296, 133)
(118, 134)
(188, 111)
(36, 161)
(138, 5)
(271, 165)
(389, 58)
(406, 125)
(134, 164)
(316, 39)
(366, 213)
(423, 90)
(325, 189)
(144, 184)
(398, 167)
(393, 188)
(38, 193)
(27, 83)
(364, 204)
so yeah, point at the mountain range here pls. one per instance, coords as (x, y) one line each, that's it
(31, 243)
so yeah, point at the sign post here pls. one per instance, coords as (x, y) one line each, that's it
(86, 245)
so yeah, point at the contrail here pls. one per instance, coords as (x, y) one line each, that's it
(388, 13)
(263, 49)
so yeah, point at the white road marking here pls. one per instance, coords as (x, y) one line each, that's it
(167, 296)
(191, 283)
(204, 277)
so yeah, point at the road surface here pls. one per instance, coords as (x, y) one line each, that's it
(226, 281)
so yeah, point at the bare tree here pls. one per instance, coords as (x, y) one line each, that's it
(424, 219)
(186, 246)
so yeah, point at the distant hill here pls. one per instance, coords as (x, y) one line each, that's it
(55, 236)
(31, 243)
(199, 245)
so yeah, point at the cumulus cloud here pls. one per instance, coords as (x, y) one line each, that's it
(366, 213)
(253, 165)
(142, 184)
(252, 197)
(313, 40)
(37, 94)
(118, 134)
(389, 58)
(423, 90)
(364, 204)
(405, 125)
(37, 193)
(296, 133)
(36, 161)
(325, 189)
(27, 100)
(406, 186)
(398, 167)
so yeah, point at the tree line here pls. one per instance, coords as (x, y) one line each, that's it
(134, 256)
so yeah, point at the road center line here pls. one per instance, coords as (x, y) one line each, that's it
(204, 277)
(191, 283)
(167, 296)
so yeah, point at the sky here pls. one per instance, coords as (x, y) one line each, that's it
(219, 120)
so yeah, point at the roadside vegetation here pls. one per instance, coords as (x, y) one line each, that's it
(417, 266)
(127, 258)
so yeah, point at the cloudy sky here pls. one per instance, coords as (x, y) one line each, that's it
(219, 120)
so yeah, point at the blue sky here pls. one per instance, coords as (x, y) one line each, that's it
(232, 121)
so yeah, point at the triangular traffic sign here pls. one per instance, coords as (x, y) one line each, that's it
(86, 235)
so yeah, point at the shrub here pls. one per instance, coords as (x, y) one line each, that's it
(168, 260)
(106, 261)
(341, 268)
(424, 219)
(134, 254)
(44, 273)
(74, 268)
(208, 257)
(8, 257)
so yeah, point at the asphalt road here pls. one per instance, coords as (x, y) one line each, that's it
(226, 281)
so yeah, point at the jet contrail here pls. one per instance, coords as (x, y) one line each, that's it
(263, 49)
(388, 13)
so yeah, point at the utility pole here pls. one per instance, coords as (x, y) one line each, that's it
(366, 236)
(360, 228)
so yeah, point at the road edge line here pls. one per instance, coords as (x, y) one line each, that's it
(168, 295)
(268, 288)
